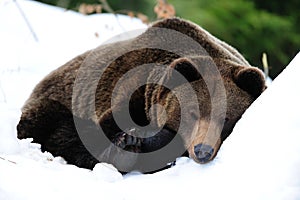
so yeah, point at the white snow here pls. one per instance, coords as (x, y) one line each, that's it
(260, 159)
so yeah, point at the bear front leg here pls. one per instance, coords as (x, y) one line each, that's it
(122, 139)
(159, 140)
(127, 140)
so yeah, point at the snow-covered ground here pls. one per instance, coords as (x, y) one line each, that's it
(260, 160)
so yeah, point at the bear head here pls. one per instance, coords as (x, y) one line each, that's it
(216, 91)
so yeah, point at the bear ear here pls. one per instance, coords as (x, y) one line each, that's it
(251, 80)
(186, 68)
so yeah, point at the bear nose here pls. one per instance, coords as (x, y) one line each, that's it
(203, 152)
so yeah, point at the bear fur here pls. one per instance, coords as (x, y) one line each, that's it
(62, 98)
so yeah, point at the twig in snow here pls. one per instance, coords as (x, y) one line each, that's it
(27, 21)
(8, 160)
(107, 7)
(265, 64)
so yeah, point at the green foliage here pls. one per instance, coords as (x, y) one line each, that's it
(252, 26)
(250, 30)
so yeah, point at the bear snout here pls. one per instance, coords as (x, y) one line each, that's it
(203, 152)
(205, 141)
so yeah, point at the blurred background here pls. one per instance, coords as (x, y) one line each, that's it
(254, 27)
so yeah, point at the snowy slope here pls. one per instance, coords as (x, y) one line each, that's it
(260, 160)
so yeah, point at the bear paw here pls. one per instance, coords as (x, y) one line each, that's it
(126, 141)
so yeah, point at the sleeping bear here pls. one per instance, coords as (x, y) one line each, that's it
(142, 102)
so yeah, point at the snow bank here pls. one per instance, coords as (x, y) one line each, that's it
(260, 160)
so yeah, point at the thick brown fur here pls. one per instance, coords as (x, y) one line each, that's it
(47, 116)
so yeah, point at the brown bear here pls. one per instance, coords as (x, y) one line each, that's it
(187, 87)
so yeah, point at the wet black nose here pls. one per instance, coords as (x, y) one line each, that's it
(203, 152)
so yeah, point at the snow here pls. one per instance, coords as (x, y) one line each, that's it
(260, 159)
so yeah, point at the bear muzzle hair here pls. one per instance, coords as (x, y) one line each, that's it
(206, 141)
